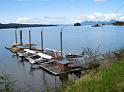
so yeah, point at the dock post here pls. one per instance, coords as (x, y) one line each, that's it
(16, 36)
(30, 39)
(21, 38)
(42, 41)
(61, 44)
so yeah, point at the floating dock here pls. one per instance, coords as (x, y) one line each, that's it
(49, 70)
(55, 69)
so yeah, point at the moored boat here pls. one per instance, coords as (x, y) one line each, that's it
(26, 52)
(39, 58)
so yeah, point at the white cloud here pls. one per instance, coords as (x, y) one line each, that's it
(121, 18)
(69, 20)
(100, 0)
(30, 20)
(45, 20)
(102, 17)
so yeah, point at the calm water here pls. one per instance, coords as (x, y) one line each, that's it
(74, 39)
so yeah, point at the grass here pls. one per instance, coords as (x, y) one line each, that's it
(6, 83)
(110, 79)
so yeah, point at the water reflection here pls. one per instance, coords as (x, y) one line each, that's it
(45, 83)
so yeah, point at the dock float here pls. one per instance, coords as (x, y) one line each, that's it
(12, 50)
(55, 69)
(48, 70)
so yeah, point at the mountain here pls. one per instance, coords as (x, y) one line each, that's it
(112, 21)
(98, 22)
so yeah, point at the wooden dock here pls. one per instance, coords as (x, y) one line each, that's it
(14, 50)
(49, 70)
(55, 69)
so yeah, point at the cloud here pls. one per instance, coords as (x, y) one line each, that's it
(102, 17)
(45, 20)
(70, 20)
(100, 0)
(28, 20)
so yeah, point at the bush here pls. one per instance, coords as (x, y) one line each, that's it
(110, 79)
(6, 83)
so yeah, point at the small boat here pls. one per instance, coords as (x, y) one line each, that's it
(73, 56)
(39, 58)
(17, 47)
(45, 56)
(33, 59)
(26, 52)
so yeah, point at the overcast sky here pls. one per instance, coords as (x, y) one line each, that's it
(59, 11)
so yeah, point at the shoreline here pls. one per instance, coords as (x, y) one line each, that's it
(7, 26)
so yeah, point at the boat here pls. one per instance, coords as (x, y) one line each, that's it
(73, 56)
(39, 58)
(26, 52)
(45, 56)
(17, 47)
(33, 59)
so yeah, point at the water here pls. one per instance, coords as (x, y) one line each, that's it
(74, 39)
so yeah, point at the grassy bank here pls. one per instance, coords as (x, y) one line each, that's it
(7, 83)
(110, 79)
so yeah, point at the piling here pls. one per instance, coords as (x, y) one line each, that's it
(54, 56)
(42, 41)
(21, 38)
(61, 44)
(30, 39)
(16, 36)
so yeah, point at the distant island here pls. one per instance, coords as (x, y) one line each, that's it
(77, 24)
(14, 25)
(98, 25)
(118, 23)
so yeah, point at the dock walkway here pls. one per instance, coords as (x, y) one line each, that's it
(55, 69)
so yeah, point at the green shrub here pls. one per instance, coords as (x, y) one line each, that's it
(106, 80)
(6, 83)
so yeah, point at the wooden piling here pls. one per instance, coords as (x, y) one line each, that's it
(21, 38)
(42, 41)
(61, 44)
(16, 36)
(30, 39)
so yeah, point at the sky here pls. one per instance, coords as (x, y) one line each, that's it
(60, 11)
